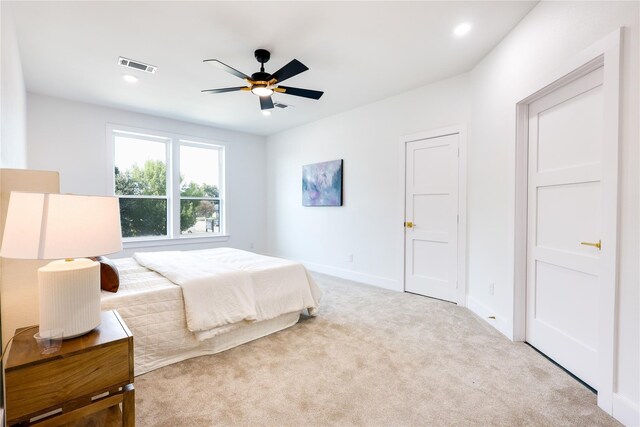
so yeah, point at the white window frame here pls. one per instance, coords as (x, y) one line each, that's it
(173, 142)
(189, 142)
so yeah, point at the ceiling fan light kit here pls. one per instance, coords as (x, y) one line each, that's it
(261, 90)
(264, 84)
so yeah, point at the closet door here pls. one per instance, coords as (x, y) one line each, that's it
(565, 203)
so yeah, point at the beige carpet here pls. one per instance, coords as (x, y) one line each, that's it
(371, 358)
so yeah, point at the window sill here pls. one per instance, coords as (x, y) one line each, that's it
(165, 241)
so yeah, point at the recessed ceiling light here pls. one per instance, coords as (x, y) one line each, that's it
(462, 29)
(129, 78)
(266, 112)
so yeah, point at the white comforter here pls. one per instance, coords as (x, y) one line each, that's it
(225, 286)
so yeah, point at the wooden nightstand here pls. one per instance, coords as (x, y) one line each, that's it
(88, 377)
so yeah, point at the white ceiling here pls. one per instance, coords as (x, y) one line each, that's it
(357, 52)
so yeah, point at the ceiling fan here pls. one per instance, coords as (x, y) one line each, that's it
(264, 84)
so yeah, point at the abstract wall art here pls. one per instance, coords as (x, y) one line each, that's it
(322, 184)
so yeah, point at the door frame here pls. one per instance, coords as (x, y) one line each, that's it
(461, 130)
(605, 53)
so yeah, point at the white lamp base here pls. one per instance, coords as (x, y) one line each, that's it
(70, 296)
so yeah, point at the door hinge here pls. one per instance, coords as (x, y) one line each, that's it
(458, 151)
(458, 218)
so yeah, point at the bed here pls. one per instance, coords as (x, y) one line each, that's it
(168, 329)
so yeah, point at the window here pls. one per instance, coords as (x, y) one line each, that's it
(199, 188)
(169, 187)
(141, 182)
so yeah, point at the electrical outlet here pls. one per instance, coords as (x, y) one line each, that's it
(491, 288)
(350, 258)
(251, 245)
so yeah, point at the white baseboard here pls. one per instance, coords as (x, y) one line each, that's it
(356, 276)
(484, 312)
(625, 411)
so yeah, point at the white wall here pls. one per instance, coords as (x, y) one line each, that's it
(70, 137)
(369, 224)
(367, 138)
(549, 35)
(13, 105)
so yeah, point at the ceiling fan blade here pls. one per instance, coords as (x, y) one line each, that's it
(226, 89)
(305, 93)
(293, 68)
(266, 103)
(226, 68)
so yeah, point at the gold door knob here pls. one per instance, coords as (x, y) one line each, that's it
(597, 244)
(408, 224)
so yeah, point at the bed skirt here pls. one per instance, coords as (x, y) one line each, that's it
(222, 342)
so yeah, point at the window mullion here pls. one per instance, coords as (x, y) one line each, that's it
(224, 226)
(173, 191)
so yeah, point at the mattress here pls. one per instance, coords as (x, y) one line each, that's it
(153, 309)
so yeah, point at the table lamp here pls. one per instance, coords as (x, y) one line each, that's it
(71, 227)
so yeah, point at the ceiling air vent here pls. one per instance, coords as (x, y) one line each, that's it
(137, 65)
(280, 105)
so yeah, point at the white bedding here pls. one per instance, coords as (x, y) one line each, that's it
(225, 286)
(153, 308)
(214, 294)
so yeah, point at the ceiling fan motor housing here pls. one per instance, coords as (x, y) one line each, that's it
(260, 77)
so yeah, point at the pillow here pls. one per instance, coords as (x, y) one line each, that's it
(109, 276)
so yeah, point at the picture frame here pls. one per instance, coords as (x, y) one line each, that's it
(322, 183)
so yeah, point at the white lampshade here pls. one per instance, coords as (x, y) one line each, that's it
(52, 226)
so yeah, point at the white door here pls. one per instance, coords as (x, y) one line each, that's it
(565, 224)
(431, 214)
